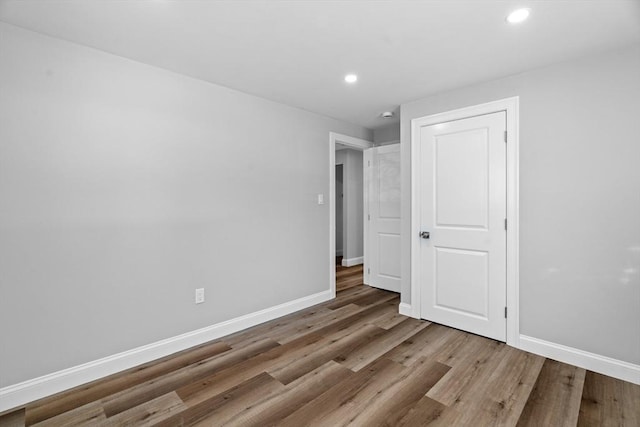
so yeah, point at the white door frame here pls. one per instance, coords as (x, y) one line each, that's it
(356, 144)
(510, 106)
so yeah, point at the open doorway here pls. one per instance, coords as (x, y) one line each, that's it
(339, 214)
(349, 206)
(349, 217)
(346, 245)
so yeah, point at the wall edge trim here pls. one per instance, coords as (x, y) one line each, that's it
(350, 262)
(405, 309)
(22, 393)
(594, 362)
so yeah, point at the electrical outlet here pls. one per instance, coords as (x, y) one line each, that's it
(199, 295)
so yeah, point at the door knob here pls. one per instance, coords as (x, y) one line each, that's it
(424, 234)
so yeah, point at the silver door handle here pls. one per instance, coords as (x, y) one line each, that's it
(424, 234)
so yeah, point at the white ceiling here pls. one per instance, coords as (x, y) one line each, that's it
(297, 52)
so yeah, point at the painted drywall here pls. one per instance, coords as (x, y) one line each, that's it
(125, 187)
(389, 134)
(339, 210)
(355, 203)
(579, 198)
(353, 228)
(341, 160)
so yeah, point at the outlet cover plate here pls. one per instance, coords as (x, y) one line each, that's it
(199, 295)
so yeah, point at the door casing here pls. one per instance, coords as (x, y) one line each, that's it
(510, 106)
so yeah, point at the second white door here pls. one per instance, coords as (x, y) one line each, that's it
(382, 217)
(462, 196)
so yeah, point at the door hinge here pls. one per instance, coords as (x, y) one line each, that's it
(505, 312)
(368, 271)
(505, 136)
(505, 223)
(369, 217)
(369, 163)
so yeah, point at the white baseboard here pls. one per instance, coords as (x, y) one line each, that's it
(352, 261)
(22, 393)
(594, 362)
(405, 309)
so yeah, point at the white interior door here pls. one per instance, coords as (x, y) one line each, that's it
(462, 198)
(382, 217)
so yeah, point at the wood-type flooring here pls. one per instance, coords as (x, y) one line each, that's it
(350, 361)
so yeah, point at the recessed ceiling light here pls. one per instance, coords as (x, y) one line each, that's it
(518, 16)
(350, 78)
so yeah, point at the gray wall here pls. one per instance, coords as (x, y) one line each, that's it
(125, 187)
(579, 198)
(389, 134)
(355, 203)
(339, 210)
(353, 227)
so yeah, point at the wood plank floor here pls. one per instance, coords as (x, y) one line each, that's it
(350, 361)
(347, 277)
